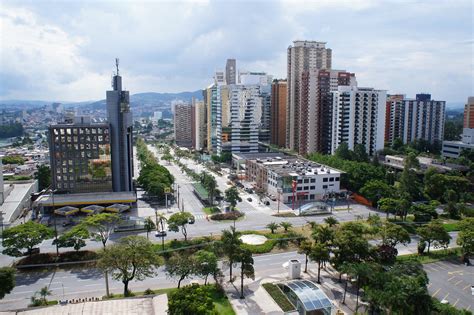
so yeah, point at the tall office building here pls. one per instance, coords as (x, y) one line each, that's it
(469, 113)
(214, 119)
(230, 71)
(358, 117)
(247, 122)
(219, 77)
(302, 56)
(80, 156)
(183, 125)
(278, 113)
(120, 121)
(200, 124)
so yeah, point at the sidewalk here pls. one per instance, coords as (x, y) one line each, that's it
(258, 301)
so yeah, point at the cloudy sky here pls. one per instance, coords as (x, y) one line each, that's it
(64, 50)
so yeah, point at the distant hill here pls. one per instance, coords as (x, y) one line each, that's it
(148, 98)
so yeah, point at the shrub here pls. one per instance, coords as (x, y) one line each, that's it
(149, 292)
(49, 258)
(231, 215)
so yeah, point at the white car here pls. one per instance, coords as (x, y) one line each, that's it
(472, 289)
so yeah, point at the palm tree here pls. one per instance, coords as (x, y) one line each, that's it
(44, 292)
(246, 268)
(272, 226)
(331, 221)
(319, 253)
(232, 197)
(230, 246)
(305, 248)
(149, 226)
(323, 234)
(286, 226)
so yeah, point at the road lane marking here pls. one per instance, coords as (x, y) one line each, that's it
(434, 294)
(440, 266)
(454, 304)
(466, 287)
(446, 296)
(458, 282)
(451, 278)
(93, 284)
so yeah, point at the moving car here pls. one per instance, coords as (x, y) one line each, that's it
(249, 199)
(191, 220)
(160, 233)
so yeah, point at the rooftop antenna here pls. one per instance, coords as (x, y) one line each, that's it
(116, 65)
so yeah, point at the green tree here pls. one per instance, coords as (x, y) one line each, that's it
(466, 237)
(360, 153)
(101, 225)
(272, 226)
(181, 265)
(13, 159)
(179, 221)
(286, 226)
(43, 175)
(305, 248)
(192, 299)
(398, 145)
(323, 234)
(7, 280)
(149, 226)
(24, 236)
(232, 197)
(376, 189)
(206, 264)
(320, 254)
(75, 238)
(131, 258)
(389, 205)
(434, 234)
(393, 234)
(343, 152)
(245, 259)
(230, 245)
(409, 182)
(209, 183)
(43, 293)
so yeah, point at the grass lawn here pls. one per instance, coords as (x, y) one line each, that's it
(278, 297)
(451, 226)
(221, 302)
(433, 256)
(210, 210)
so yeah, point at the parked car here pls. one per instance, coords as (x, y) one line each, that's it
(273, 198)
(191, 220)
(249, 199)
(266, 203)
(249, 190)
(160, 233)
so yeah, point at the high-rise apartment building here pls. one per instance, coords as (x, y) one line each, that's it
(121, 122)
(230, 71)
(410, 119)
(278, 113)
(302, 56)
(219, 77)
(183, 125)
(469, 113)
(80, 156)
(358, 117)
(423, 119)
(394, 118)
(316, 107)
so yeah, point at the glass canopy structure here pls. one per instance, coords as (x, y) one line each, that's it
(307, 297)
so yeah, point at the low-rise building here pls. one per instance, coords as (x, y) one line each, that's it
(291, 179)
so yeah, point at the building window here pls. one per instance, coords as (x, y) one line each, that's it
(313, 180)
(325, 179)
(337, 179)
(312, 187)
(311, 196)
(325, 186)
(331, 179)
(306, 181)
(300, 181)
(299, 188)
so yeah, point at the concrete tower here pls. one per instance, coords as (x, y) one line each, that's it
(120, 120)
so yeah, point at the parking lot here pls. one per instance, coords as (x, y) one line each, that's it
(451, 281)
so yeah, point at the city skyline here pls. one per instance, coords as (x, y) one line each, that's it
(177, 46)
